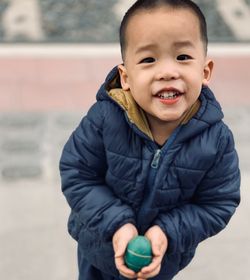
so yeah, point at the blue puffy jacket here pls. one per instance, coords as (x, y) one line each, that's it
(113, 173)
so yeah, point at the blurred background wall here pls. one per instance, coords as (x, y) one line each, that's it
(53, 57)
(82, 21)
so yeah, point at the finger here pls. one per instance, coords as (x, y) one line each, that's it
(126, 272)
(150, 274)
(119, 262)
(123, 269)
(152, 266)
(120, 249)
(157, 248)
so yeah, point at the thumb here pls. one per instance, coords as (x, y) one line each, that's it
(120, 248)
(156, 249)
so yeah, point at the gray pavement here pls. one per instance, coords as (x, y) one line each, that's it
(33, 238)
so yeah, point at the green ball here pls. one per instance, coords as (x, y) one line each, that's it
(138, 253)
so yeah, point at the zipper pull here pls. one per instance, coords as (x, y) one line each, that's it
(156, 159)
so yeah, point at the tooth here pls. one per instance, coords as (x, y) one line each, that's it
(168, 95)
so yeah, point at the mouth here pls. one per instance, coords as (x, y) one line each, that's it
(170, 95)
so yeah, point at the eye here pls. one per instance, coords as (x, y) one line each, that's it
(147, 60)
(183, 57)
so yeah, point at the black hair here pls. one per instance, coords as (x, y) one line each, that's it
(140, 5)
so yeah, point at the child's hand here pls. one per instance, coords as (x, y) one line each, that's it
(159, 243)
(120, 241)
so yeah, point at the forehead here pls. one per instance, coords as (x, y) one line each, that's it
(161, 22)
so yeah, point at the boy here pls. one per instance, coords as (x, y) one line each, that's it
(152, 156)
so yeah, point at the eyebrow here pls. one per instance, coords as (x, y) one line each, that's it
(145, 48)
(178, 44)
(181, 44)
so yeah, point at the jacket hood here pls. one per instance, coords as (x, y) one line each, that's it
(112, 90)
(112, 81)
(204, 113)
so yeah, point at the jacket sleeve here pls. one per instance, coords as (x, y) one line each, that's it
(212, 206)
(97, 212)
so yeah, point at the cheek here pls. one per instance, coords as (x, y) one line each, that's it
(196, 79)
(138, 84)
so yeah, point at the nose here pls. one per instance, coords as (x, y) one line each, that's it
(167, 70)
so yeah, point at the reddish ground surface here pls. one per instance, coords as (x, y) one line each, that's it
(47, 84)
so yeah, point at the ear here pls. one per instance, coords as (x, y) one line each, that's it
(207, 72)
(123, 77)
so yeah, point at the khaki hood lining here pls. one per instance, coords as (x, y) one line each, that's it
(134, 112)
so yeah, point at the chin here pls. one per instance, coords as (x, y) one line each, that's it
(172, 118)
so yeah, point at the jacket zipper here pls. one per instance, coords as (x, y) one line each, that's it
(156, 159)
(142, 213)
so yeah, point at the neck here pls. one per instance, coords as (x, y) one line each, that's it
(161, 130)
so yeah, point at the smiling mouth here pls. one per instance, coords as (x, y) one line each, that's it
(170, 95)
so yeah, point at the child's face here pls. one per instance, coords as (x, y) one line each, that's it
(165, 62)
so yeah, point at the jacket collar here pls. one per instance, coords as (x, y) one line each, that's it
(137, 116)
